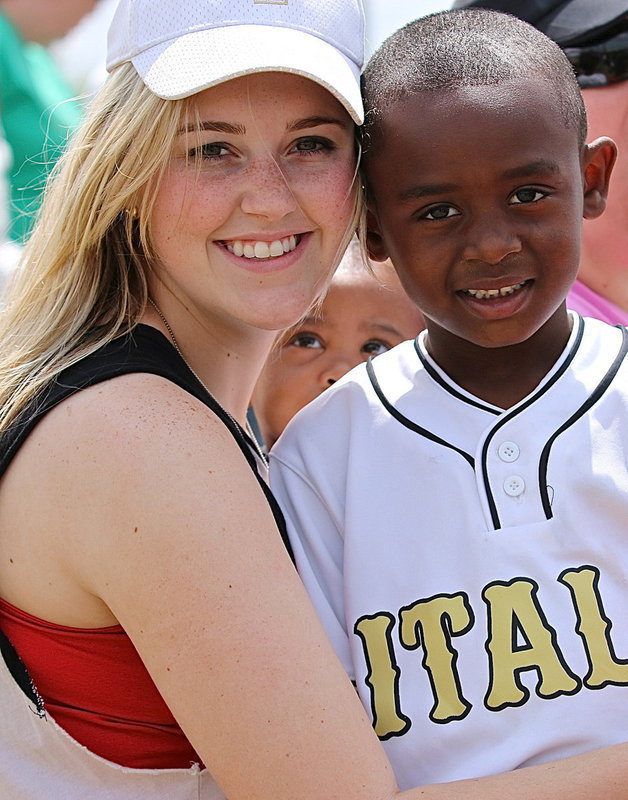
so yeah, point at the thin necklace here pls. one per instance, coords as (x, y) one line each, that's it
(249, 431)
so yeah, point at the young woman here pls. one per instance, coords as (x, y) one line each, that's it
(157, 642)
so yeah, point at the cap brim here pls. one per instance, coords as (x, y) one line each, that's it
(202, 59)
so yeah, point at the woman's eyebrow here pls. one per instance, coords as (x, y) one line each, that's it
(236, 129)
(313, 122)
(213, 125)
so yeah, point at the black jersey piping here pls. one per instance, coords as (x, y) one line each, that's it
(507, 417)
(407, 422)
(592, 399)
(441, 382)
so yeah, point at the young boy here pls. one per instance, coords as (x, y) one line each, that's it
(363, 314)
(459, 506)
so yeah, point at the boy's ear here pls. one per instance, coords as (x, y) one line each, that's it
(374, 243)
(598, 161)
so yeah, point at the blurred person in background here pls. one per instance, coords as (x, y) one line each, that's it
(365, 312)
(37, 109)
(594, 36)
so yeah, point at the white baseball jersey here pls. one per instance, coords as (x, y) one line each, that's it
(470, 564)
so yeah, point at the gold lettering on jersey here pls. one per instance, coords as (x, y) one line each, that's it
(594, 628)
(383, 674)
(514, 613)
(432, 623)
(520, 639)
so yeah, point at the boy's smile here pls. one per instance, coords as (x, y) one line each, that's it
(477, 195)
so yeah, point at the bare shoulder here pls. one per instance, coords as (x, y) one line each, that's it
(132, 407)
(125, 464)
(139, 423)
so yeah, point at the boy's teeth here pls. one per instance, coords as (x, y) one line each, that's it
(262, 249)
(484, 294)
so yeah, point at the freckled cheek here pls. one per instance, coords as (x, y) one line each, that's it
(333, 190)
(344, 185)
(192, 206)
(170, 208)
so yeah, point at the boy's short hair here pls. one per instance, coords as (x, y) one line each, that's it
(467, 47)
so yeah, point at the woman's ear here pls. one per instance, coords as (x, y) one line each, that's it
(598, 160)
(374, 243)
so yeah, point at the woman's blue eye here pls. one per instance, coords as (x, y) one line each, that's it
(374, 347)
(305, 340)
(442, 211)
(527, 195)
(209, 150)
(313, 145)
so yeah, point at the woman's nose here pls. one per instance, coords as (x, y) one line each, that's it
(267, 192)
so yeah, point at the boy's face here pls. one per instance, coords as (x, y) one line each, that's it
(358, 319)
(479, 195)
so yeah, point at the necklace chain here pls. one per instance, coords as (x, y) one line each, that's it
(175, 344)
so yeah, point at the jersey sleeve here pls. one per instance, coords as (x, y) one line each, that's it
(315, 535)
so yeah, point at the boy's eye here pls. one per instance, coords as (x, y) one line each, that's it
(209, 151)
(309, 340)
(527, 195)
(442, 211)
(375, 347)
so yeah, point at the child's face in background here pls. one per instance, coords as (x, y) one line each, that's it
(478, 198)
(359, 318)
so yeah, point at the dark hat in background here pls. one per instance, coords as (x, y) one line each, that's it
(592, 33)
(568, 22)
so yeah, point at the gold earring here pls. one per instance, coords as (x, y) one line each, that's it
(133, 212)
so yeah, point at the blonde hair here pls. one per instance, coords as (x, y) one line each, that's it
(82, 279)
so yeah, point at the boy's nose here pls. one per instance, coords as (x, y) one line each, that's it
(266, 191)
(490, 240)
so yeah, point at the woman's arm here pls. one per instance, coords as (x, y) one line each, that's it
(164, 522)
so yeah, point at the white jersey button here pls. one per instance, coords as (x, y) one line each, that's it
(514, 486)
(508, 451)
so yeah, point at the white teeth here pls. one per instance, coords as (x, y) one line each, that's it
(262, 250)
(484, 294)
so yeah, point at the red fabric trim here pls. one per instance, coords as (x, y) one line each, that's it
(96, 688)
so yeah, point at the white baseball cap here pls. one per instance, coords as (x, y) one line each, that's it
(180, 47)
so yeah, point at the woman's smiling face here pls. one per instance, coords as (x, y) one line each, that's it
(255, 200)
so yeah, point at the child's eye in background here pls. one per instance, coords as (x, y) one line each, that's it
(527, 195)
(441, 211)
(374, 347)
(309, 340)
